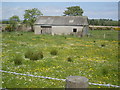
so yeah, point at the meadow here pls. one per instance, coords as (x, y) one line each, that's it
(94, 57)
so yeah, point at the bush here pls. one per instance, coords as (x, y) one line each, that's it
(36, 55)
(8, 28)
(54, 52)
(28, 53)
(18, 60)
(33, 55)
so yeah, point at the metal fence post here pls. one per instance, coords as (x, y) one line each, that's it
(76, 82)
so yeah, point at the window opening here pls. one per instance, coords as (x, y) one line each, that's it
(74, 30)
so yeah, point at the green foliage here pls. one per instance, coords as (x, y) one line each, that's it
(8, 28)
(53, 52)
(36, 55)
(5, 22)
(69, 59)
(18, 60)
(103, 22)
(14, 20)
(28, 53)
(33, 54)
(30, 16)
(100, 28)
(73, 11)
(104, 71)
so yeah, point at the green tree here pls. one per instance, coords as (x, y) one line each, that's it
(14, 21)
(30, 17)
(73, 11)
(4, 22)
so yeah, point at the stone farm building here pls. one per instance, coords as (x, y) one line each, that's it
(60, 25)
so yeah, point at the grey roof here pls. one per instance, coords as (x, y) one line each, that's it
(62, 20)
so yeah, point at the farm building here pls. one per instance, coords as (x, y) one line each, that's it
(59, 25)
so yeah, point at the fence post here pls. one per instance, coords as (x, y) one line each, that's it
(104, 36)
(76, 82)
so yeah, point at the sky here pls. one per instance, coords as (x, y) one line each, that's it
(94, 10)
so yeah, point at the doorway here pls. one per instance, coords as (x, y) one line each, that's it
(46, 29)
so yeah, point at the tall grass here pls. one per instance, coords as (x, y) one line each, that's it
(18, 59)
(33, 54)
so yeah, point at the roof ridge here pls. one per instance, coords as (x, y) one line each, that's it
(62, 20)
(62, 16)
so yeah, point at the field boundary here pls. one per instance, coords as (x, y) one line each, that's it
(107, 85)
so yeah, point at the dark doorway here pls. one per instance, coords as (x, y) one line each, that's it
(74, 30)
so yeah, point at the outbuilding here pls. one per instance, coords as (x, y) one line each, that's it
(59, 25)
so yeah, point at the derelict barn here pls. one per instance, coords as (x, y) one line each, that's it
(60, 25)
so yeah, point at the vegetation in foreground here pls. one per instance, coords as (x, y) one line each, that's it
(95, 57)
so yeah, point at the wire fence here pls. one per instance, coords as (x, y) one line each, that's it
(107, 85)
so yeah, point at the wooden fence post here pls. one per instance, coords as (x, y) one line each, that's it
(76, 82)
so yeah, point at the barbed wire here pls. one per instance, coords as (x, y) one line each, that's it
(32, 75)
(108, 85)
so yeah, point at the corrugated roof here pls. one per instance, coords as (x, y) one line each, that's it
(62, 20)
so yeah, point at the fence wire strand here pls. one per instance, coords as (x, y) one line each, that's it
(108, 85)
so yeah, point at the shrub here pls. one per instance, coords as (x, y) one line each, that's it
(33, 55)
(18, 60)
(8, 28)
(36, 55)
(40, 54)
(54, 52)
(28, 53)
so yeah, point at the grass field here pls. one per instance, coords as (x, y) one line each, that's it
(95, 57)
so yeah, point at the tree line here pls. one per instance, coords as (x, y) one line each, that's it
(31, 15)
(103, 22)
(98, 22)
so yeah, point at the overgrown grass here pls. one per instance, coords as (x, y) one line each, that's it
(18, 59)
(94, 57)
(33, 54)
